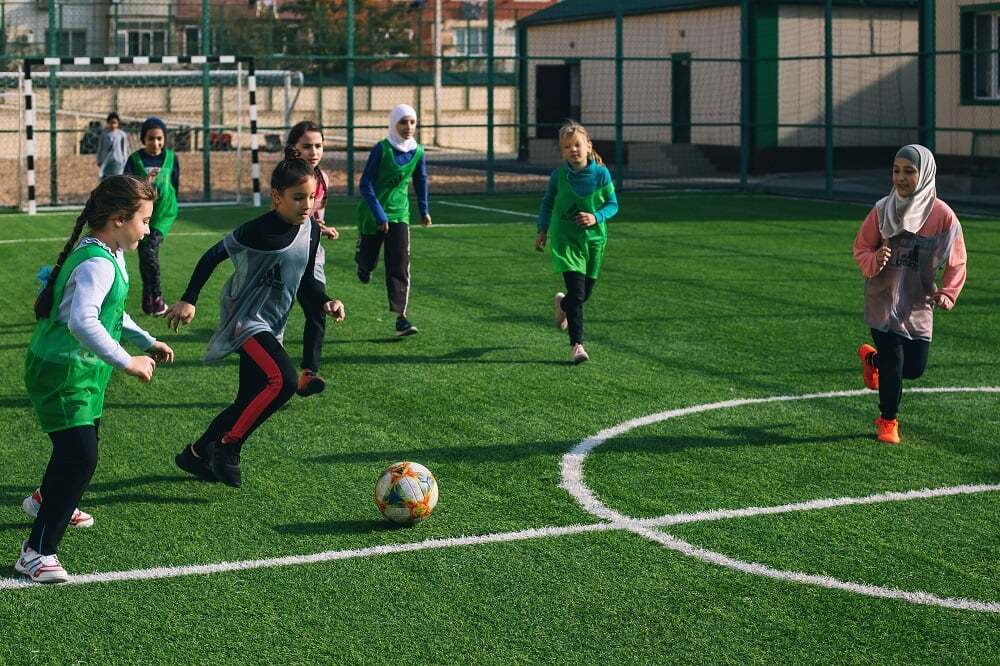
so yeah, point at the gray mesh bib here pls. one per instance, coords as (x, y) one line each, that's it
(259, 294)
(897, 300)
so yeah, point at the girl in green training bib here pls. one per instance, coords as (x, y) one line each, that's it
(384, 211)
(73, 351)
(578, 203)
(157, 163)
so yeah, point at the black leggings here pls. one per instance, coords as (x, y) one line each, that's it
(149, 263)
(312, 336)
(71, 466)
(267, 381)
(898, 358)
(578, 289)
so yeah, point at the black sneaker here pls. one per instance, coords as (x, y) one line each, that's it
(404, 327)
(364, 276)
(192, 464)
(310, 384)
(226, 463)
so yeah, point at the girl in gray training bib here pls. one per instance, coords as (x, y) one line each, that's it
(274, 259)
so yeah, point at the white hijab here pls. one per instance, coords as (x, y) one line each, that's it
(897, 214)
(399, 112)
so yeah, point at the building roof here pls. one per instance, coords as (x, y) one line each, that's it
(581, 10)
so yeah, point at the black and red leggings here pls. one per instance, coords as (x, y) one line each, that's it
(267, 381)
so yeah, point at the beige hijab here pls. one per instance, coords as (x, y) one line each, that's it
(897, 214)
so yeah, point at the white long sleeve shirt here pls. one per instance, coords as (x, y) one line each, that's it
(80, 307)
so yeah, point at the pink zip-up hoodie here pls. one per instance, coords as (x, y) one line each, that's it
(898, 298)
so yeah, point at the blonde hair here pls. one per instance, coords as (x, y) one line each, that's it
(572, 127)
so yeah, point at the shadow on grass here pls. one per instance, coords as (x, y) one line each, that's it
(339, 527)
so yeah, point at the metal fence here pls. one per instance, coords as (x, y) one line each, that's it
(802, 98)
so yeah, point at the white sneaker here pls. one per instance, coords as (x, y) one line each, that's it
(33, 502)
(578, 354)
(40, 568)
(560, 316)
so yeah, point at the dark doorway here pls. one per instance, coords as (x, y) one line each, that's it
(680, 97)
(557, 97)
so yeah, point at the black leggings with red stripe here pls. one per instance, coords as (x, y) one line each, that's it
(267, 381)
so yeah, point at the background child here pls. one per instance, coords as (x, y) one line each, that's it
(384, 211)
(305, 141)
(274, 258)
(902, 243)
(112, 148)
(159, 164)
(81, 318)
(579, 201)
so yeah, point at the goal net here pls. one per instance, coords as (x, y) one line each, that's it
(208, 104)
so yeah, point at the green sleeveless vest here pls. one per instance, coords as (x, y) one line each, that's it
(66, 383)
(391, 189)
(575, 248)
(165, 208)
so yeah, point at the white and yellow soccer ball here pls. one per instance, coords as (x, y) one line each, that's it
(406, 493)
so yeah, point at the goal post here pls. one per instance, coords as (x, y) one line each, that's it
(84, 97)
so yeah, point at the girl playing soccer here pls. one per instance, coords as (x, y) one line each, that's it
(157, 163)
(578, 203)
(81, 318)
(273, 259)
(305, 141)
(905, 239)
(384, 211)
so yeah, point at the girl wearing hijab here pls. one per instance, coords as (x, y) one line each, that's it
(384, 211)
(907, 237)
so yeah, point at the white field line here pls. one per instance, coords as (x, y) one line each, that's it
(517, 213)
(637, 526)
(573, 483)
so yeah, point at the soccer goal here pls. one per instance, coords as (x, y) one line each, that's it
(209, 104)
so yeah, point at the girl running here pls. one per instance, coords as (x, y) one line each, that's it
(305, 141)
(384, 211)
(73, 351)
(273, 259)
(578, 203)
(906, 238)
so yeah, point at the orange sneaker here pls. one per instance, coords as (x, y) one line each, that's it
(887, 430)
(871, 372)
(310, 383)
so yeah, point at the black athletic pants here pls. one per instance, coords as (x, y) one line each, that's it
(313, 335)
(71, 466)
(149, 263)
(267, 381)
(397, 262)
(898, 358)
(578, 289)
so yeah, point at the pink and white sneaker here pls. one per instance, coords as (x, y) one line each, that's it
(559, 315)
(577, 354)
(40, 568)
(33, 502)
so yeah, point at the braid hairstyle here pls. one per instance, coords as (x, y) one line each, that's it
(290, 171)
(573, 127)
(294, 134)
(116, 196)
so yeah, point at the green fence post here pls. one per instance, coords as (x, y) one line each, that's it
(745, 94)
(619, 102)
(928, 75)
(522, 93)
(53, 118)
(828, 92)
(350, 98)
(206, 159)
(420, 69)
(490, 64)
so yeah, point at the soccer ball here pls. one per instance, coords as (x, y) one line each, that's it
(406, 493)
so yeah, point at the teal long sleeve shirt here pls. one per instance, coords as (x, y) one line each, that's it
(591, 177)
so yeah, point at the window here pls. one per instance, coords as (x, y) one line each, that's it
(192, 41)
(70, 42)
(986, 42)
(470, 41)
(142, 39)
